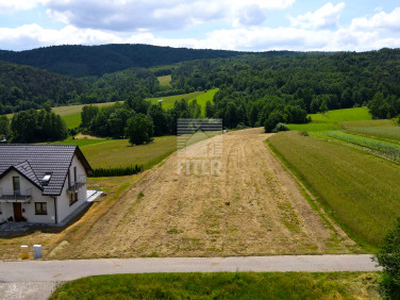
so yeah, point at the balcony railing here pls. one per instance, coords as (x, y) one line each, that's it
(15, 196)
(75, 186)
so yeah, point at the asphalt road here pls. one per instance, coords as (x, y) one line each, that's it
(65, 270)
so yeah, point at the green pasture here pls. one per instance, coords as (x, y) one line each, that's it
(360, 190)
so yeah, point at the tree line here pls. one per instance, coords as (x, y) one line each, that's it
(31, 126)
(136, 119)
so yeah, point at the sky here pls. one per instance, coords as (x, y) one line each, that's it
(244, 25)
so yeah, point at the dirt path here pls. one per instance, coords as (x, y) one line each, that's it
(252, 208)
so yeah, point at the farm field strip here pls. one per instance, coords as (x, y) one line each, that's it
(359, 189)
(387, 149)
(253, 208)
(391, 133)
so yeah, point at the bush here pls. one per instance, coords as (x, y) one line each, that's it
(272, 121)
(280, 127)
(389, 258)
(304, 133)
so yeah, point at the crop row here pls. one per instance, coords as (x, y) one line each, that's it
(387, 149)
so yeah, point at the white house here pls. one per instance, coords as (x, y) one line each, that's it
(41, 183)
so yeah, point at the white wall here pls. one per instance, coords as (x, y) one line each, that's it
(28, 209)
(63, 207)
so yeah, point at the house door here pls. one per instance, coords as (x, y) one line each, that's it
(17, 212)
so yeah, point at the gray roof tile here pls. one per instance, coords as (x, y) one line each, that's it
(35, 161)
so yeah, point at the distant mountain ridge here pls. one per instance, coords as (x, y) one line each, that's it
(80, 61)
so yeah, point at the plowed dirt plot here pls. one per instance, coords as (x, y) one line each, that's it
(252, 208)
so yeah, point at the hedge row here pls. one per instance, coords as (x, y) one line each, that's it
(118, 171)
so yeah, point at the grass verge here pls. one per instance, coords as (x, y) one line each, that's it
(223, 285)
(359, 190)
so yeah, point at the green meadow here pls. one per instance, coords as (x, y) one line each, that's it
(333, 119)
(201, 97)
(342, 115)
(223, 286)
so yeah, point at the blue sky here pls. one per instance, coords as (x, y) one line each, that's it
(251, 25)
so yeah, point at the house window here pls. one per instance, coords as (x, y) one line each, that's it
(40, 208)
(16, 186)
(75, 176)
(73, 198)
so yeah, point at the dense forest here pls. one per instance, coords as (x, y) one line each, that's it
(81, 61)
(23, 87)
(254, 89)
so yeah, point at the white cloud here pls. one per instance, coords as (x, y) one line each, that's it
(7, 6)
(34, 36)
(327, 17)
(381, 21)
(317, 31)
(134, 15)
(246, 39)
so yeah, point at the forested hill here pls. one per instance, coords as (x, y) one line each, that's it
(24, 87)
(80, 61)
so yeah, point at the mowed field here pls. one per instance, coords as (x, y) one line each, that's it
(252, 207)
